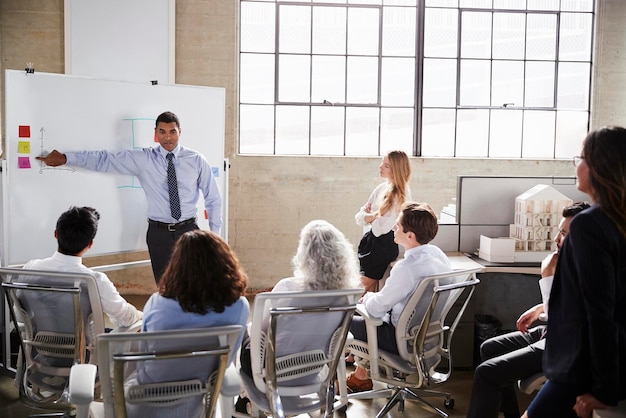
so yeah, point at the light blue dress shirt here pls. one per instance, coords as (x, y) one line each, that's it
(405, 276)
(149, 165)
(161, 313)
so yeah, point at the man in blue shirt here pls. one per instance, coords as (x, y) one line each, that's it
(171, 211)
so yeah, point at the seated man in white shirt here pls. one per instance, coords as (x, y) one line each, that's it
(75, 231)
(509, 357)
(415, 227)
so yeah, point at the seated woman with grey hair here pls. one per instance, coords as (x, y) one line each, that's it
(325, 260)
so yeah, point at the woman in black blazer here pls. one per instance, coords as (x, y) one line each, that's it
(585, 355)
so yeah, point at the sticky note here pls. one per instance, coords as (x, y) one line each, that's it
(24, 131)
(215, 171)
(23, 147)
(23, 162)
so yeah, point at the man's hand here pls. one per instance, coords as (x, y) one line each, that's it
(585, 404)
(527, 318)
(369, 284)
(55, 158)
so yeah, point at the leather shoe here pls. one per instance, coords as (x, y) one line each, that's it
(357, 385)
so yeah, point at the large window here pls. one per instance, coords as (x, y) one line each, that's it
(441, 78)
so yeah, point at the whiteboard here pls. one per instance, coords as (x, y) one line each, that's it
(70, 113)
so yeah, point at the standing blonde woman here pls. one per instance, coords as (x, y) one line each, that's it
(377, 248)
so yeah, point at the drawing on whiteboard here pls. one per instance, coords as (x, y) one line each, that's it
(42, 165)
(134, 183)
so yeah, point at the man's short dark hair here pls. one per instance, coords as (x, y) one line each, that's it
(419, 218)
(76, 228)
(167, 117)
(574, 209)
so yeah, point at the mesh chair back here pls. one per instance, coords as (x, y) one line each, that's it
(164, 373)
(51, 311)
(426, 313)
(304, 341)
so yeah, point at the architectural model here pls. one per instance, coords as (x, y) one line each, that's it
(537, 216)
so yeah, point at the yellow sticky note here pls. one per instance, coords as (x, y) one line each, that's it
(23, 147)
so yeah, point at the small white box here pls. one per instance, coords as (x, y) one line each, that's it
(497, 250)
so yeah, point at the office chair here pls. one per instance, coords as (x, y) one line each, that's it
(158, 374)
(55, 314)
(297, 350)
(423, 340)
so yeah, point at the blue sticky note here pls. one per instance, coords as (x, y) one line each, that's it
(216, 171)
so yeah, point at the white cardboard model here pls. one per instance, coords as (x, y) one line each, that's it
(537, 216)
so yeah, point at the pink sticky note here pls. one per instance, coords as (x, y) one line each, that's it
(23, 162)
(24, 131)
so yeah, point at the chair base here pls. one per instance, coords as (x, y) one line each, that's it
(399, 395)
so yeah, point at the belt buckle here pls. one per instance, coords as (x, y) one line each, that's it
(171, 227)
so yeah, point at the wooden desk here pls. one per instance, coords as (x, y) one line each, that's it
(522, 268)
(505, 291)
(462, 261)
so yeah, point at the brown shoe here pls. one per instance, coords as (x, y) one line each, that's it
(357, 385)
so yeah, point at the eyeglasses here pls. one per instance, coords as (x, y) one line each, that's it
(577, 160)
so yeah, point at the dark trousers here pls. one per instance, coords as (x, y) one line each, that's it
(386, 334)
(506, 359)
(555, 400)
(160, 244)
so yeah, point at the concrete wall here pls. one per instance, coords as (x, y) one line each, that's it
(271, 198)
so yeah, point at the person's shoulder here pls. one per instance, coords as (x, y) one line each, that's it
(244, 305)
(427, 254)
(591, 219)
(156, 301)
(32, 264)
(188, 153)
(288, 284)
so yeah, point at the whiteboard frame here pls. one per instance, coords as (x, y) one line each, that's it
(29, 104)
(112, 69)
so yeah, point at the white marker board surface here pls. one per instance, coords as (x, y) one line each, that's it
(54, 111)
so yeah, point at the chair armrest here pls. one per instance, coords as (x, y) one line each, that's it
(82, 383)
(231, 386)
(371, 324)
(136, 327)
(369, 319)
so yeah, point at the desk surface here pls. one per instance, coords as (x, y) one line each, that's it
(491, 267)
(462, 261)
(613, 412)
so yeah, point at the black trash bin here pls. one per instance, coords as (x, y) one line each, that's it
(485, 327)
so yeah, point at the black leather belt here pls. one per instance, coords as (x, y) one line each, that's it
(172, 227)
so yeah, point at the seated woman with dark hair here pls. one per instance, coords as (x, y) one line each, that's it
(203, 286)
